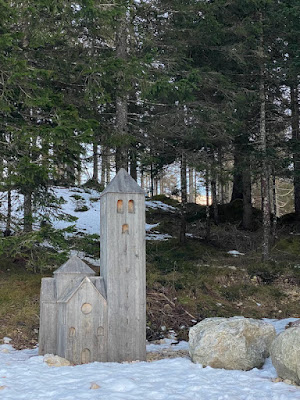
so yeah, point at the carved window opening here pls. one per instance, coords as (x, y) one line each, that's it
(85, 356)
(125, 229)
(72, 332)
(131, 209)
(100, 331)
(120, 207)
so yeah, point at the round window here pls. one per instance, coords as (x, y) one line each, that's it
(86, 308)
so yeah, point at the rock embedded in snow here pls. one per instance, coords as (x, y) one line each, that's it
(95, 386)
(55, 361)
(236, 343)
(285, 354)
(5, 351)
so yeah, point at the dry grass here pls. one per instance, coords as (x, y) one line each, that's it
(19, 307)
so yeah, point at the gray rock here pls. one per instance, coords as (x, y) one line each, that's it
(285, 354)
(55, 361)
(231, 343)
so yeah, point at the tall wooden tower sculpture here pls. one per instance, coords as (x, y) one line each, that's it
(87, 318)
(122, 256)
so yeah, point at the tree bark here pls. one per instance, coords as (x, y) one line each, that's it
(155, 186)
(28, 212)
(275, 212)
(247, 199)
(1, 169)
(237, 188)
(121, 98)
(264, 164)
(142, 179)
(214, 199)
(133, 163)
(95, 161)
(207, 212)
(183, 180)
(103, 165)
(107, 167)
(151, 180)
(121, 128)
(221, 177)
(162, 183)
(296, 140)
(7, 231)
(191, 186)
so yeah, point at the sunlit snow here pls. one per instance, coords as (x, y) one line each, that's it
(88, 222)
(24, 375)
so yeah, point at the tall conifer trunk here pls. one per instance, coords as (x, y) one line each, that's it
(103, 165)
(275, 212)
(142, 179)
(191, 186)
(221, 177)
(133, 163)
(121, 98)
(162, 183)
(107, 166)
(9, 211)
(264, 163)
(207, 212)
(183, 180)
(151, 180)
(296, 140)
(28, 212)
(95, 161)
(237, 188)
(1, 169)
(247, 199)
(213, 185)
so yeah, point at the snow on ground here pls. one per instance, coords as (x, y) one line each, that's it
(280, 324)
(157, 236)
(235, 253)
(167, 344)
(88, 221)
(24, 375)
(155, 204)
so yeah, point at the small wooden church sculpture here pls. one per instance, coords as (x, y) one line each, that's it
(87, 318)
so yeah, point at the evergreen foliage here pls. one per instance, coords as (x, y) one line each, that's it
(149, 83)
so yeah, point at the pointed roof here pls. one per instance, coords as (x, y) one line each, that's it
(67, 296)
(123, 183)
(75, 266)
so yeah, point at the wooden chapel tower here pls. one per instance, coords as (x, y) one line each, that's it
(122, 258)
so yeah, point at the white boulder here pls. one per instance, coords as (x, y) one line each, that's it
(231, 343)
(285, 354)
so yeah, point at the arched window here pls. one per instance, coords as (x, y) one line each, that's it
(100, 331)
(85, 356)
(125, 229)
(72, 331)
(131, 207)
(120, 208)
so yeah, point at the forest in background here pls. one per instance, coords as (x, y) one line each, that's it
(211, 85)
